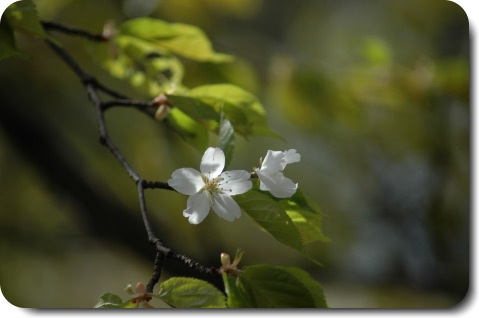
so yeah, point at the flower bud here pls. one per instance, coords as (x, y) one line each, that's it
(225, 259)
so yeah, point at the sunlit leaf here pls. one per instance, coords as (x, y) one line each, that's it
(268, 286)
(109, 300)
(148, 68)
(242, 109)
(306, 216)
(188, 129)
(196, 109)
(185, 292)
(182, 39)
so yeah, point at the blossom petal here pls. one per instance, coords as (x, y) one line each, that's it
(186, 181)
(213, 162)
(272, 161)
(225, 207)
(277, 184)
(235, 182)
(290, 156)
(198, 207)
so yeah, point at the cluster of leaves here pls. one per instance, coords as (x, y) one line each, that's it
(147, 53)
(258, 286)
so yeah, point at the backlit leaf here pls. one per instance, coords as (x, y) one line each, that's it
(150, 69)
(188, 129)
(178, 38)
(306, 216)
(242, 109)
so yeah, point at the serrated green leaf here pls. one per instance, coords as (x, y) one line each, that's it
(292, 221)
(306, 216)
(314, 288)
(185, 292)
(22, 17)
(268, 213)
(188, 129)
(109, 300)
(7, 43)
(226, 138)
(268, 286)
(182, 39)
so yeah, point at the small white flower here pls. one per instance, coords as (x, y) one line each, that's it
(271, 174)
(211, 188)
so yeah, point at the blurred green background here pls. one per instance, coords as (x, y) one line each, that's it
(373, 94)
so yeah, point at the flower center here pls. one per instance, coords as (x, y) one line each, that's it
(211, 185)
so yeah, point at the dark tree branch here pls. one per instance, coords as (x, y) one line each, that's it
(59, 27)
(158, 265)
(156, 185)
(92, 87)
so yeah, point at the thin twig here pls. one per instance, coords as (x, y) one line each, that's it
(157, 266)
(92, 87)
(55, 26)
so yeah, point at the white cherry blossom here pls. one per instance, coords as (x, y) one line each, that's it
(271, 174)
(211, 188)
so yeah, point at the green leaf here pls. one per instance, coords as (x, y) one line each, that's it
(196, 109)
(109, 300)
(306, 217)
(226, 138)
(130, 303)
(268, 286)
(314, 288)
(293, 221)
(188, 129)
(150, 69)
(235, 298)
(182, 39)
(22, 17)
(242, 108)
(268, 213)
(7, 43)
(185, 292)
(244, 111)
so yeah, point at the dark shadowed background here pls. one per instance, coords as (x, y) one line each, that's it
(373, 94)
